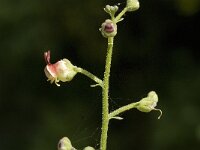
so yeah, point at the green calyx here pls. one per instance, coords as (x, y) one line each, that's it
(111, 10)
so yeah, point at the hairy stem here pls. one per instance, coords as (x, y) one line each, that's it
(122, 109)
(90, 75)
(105, 96)
(119, 16)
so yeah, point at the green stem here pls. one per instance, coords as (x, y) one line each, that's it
(90, 75)
(122, 109)
(117, 19)
(105, 92)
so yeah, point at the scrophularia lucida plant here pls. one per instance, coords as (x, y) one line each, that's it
(64, 71)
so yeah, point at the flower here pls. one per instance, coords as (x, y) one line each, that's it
(108, 28)
(132, 5)
(149, 103)
(62, 70)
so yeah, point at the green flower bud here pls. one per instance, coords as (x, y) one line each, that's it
(111, 10)
(107, 9)
(65, 144)
(149, 103)
(88, 148)
(132, 5)
(108, 28)
(114, 9)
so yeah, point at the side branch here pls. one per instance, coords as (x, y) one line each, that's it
(119, 16)
(122, 109)
(90, 75)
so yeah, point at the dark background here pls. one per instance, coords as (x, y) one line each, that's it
(157, 48)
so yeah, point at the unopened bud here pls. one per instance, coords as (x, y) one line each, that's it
(132, 5)
(108, 28)
(65, 144)
(107, 9)
(88, 148)
(111, 9)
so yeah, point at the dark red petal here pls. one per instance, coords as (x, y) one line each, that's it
(109, 27)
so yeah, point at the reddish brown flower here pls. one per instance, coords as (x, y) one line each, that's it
(62, 70)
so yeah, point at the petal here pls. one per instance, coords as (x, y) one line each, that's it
(47, 57)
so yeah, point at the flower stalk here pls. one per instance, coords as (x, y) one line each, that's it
(90, 75)
(105, 96)
(120, 110)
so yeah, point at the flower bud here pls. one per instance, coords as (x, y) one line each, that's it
(111, 9)
(132, 5)
(114, 9)
(107, 9)
(62, 70)
(88, 148)
(65, 144)
(149, 103)
(108, 28)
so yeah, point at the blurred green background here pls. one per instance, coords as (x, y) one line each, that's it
(157, 48)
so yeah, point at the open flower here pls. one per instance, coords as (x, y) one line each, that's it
(108, 28)
(62, 70)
